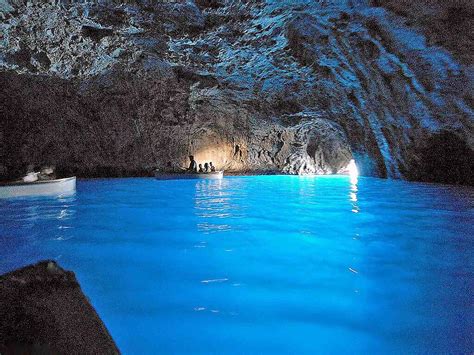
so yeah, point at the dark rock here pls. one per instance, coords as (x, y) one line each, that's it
(96, 33)
(205, 80)
(109, 16)
(444, 158)
(42, 59)
(43, 311)
(447, 24)
(22, 57)
(182, 16)
(212, 4)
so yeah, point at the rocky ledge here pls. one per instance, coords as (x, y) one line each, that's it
(43, 311)
(120, 88)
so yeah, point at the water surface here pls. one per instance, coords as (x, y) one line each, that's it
(269, 264)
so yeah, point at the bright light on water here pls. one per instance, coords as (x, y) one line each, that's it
(269, 264)
(353, 171)
(352, 168)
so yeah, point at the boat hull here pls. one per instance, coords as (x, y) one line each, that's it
(39, 188)
(216, 175)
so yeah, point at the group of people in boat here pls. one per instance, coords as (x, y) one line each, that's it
(194, 167)
(45, 173)
(48, 173)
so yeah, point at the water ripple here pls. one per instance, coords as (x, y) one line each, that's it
(384, 265)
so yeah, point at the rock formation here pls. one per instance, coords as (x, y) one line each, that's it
(118, 88)
(43, 311)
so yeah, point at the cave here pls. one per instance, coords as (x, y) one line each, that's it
(236, 176)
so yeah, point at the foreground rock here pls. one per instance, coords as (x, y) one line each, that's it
(43, 310)
(111, 88)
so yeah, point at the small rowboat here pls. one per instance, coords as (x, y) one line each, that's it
(38, 188)
(187, 175)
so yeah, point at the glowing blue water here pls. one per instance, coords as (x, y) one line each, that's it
(262, 264)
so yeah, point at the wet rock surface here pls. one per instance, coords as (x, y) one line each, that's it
(447, 24)
(43, 311)
(105, 88)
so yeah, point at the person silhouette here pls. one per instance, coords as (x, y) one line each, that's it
(192, 165)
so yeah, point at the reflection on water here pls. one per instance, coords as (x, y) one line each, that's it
(30, 211)
(213, 204)
(27, 222)
(265, 264)
(353, 194)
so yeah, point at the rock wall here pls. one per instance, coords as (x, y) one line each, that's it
(447, 24)
(119, 88)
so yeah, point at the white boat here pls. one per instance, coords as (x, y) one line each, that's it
(38, 188)
(214, 175)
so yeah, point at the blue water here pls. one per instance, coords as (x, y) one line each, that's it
(268, 264)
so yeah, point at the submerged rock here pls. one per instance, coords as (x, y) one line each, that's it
(105, 88)
(43, 311)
